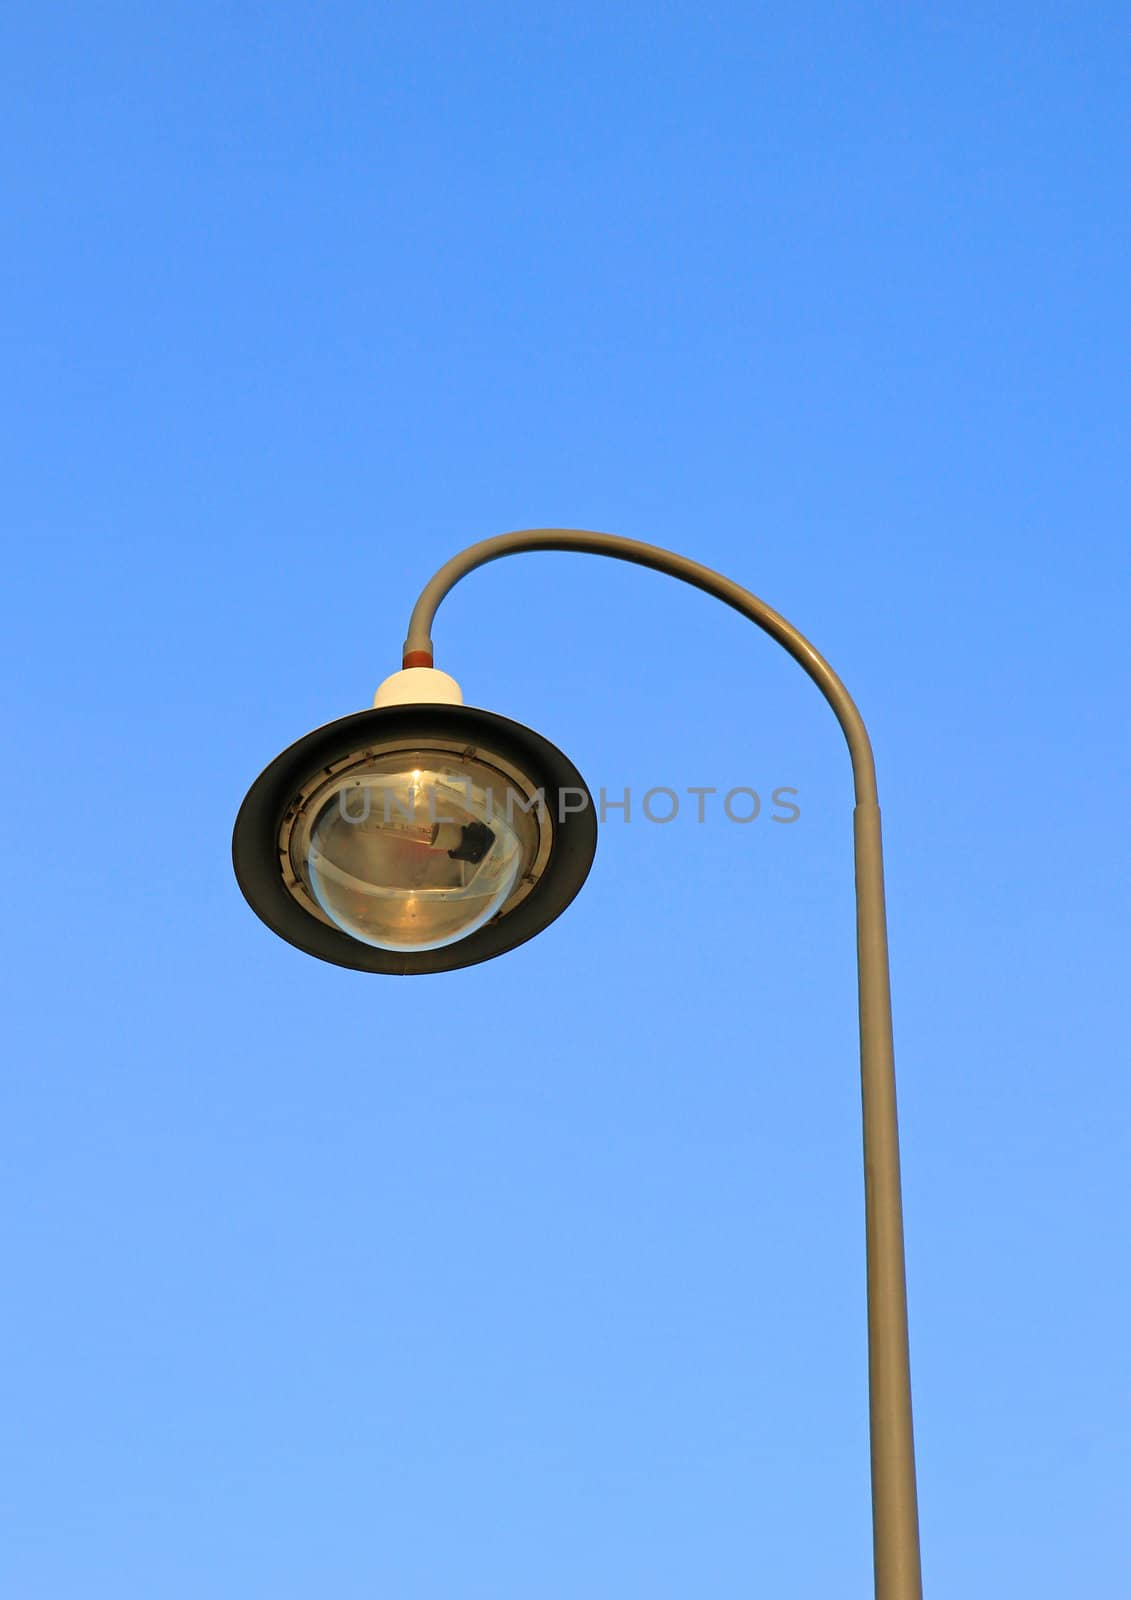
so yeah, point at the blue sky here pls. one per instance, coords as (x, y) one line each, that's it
(546, 1278)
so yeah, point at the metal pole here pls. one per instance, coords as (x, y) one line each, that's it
(895, 1518)
(895, 1513)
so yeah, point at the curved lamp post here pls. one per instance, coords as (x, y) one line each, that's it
(424, 835)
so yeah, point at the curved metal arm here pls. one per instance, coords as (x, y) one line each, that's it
(895, 1521)
(418, 645)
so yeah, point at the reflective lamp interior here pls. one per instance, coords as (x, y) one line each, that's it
(415, 849)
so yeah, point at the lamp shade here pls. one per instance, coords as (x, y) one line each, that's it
(414, 838)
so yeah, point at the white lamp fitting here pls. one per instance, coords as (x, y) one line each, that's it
(419, 686)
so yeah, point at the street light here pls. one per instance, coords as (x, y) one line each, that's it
(423, 835)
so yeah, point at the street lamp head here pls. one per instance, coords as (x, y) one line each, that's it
(414, 837)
